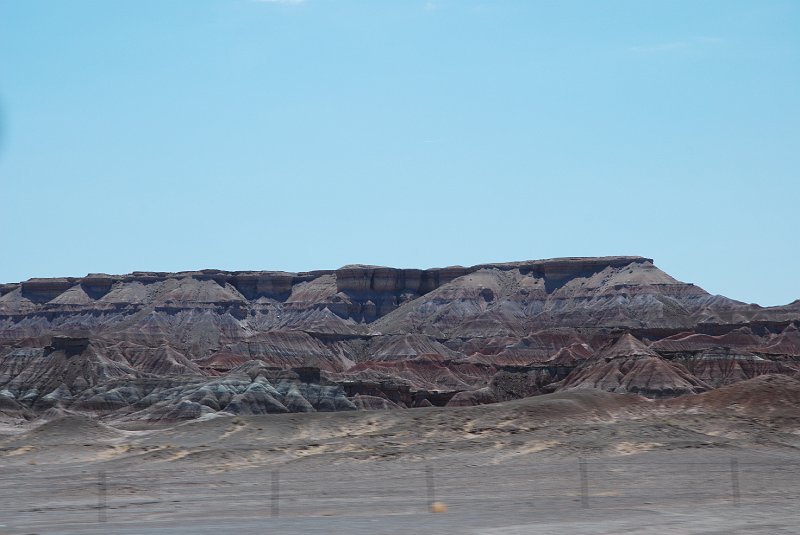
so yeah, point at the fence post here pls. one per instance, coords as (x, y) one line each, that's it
(276, 489)
(735, 481)
(430, 485)
(101, 496)
(584, 483)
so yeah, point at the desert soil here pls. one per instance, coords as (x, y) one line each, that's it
(508, 468)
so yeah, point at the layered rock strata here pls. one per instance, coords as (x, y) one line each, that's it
(379, 337)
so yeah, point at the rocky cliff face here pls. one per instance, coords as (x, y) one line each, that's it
(385, 337)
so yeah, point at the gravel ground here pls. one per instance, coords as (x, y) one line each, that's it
(580, 464)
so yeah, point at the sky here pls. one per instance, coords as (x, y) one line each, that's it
(309, 134)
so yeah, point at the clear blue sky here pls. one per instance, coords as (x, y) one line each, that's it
(296, 135)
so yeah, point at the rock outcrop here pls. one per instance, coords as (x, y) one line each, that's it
(169, 346)
(630, 367)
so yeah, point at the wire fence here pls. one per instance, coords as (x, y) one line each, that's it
(144, 494)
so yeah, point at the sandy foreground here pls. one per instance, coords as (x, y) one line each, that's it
(578, 463)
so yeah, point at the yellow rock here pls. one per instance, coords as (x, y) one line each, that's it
(438, 507)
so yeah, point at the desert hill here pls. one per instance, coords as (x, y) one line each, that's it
(169, 346)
